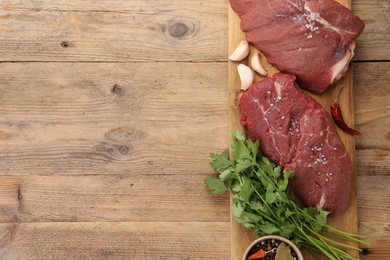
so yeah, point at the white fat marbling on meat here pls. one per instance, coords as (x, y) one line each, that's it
(278, 89)
(321, 203)
(341, 67)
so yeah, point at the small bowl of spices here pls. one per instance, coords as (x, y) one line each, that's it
(272, 248)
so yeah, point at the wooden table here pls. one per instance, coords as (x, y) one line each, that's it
(109, 110)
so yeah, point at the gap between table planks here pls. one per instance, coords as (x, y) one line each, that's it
(348, 221)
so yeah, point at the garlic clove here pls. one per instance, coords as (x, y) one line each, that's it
(246, 76)
(240, 52)
(256, 65)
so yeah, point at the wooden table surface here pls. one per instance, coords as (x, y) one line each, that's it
(109, 110)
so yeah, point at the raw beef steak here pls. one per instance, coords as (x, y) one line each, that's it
(297, 133)
(312, 39)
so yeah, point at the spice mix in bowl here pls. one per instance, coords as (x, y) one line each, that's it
(273, 248)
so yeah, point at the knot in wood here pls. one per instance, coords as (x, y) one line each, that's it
(123, 149)
(116, 89)
(178, 30)
(65, 44)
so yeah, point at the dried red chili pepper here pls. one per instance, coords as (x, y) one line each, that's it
(338, 116)
(259, 254)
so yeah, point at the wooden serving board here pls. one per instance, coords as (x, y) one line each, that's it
(241, 237)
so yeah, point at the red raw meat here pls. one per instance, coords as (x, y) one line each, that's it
(312, 39)
(297, 133)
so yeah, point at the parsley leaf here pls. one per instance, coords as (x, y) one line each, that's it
(270, 196)
(216, 186)
(220, 162)
(246, 190)
(237, 210)
(227, 174)
(269, 228)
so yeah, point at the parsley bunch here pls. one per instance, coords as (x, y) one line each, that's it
(261, 203)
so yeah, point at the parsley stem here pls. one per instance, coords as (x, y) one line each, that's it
(345, 237)
(329, 247)
(345, 233)
(266, 204)
(320, 245)
(315, 244)
(270, 180)
(336, 252)
(263, 214)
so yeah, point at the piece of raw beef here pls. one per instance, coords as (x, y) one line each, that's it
(312, 39)
(297, 133)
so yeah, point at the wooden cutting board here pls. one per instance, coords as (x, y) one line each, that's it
(241, 237)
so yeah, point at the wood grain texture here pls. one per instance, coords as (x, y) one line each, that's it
(152, 7)
(378, 234)
(373, 113)
(374, 43)
(346, 221)
(371, 97)
(93, 198)
(180, 35)
(124, 31)
(78, 118)
(107, 240)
